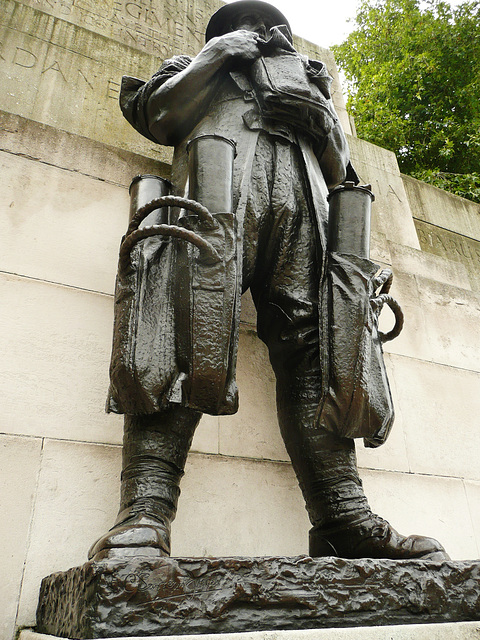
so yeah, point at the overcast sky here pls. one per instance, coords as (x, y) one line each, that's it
(322, 22)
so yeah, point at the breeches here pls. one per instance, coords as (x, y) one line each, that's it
(282, 256)
(282, 263)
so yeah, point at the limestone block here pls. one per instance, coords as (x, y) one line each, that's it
(232, 506)
(432, 506)
(451, 321)
(46, 144)
(67, 76)
(435, 206)
(77, 501)
(63, 62)
(248, 313)
(60, 226)
(439, 408)
(55, 343)
(472, 490)
(441, 320)
(380, 248)
(446, 269)
(374, 156)
(253, 432)
(413, 340)
(159, 28)
(453, 246)
(206, 438)
(391, 213)
(19, 464)
(440, 631)
(392, 455)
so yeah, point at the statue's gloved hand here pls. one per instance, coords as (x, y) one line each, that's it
(240, 44)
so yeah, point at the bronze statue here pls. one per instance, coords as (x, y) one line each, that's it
(258, 148)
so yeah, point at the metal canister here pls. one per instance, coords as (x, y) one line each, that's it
(144, 189)
(210, 170)
(349, 219)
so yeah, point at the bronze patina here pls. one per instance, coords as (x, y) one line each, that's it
(258, 148)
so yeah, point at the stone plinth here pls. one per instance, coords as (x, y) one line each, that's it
(442, 631)
(182, 596)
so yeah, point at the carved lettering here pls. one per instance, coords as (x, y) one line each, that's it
(131, 34)
(133, 10)
(113, 89)
(82, 75)
(65, 9)
(24, 58)
(440, 242)
(151, 17)
(179, 30)
(448, 244)
(424, 237)
(455, 247)
(55, 67)
(97, 7)
(138, 23)
(392, 190)
(116, 18)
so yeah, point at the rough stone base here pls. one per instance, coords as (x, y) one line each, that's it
(442, 631)
(180, 596)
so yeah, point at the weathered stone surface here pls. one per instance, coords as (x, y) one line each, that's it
(165, 596)
(80, 50)
(19, 462)
(456, 247)
(452, 631)
(441, 631)
(391, 215)
(400, 498)
(442, 209)
(57, 148)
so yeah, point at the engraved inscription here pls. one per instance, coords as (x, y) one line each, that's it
(54, 66)
(24, 58)
(36, 62)
(392, 192)
(453, 246)
(448, 244)
(155, 586)
(113, 90)
(161, 28)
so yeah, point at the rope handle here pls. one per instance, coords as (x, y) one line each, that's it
(171, 201)
(384, 280)
(208, 253)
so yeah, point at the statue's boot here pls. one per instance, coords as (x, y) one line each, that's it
(155, 450)
(326, 468)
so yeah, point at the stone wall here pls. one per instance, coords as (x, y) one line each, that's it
(67, 159)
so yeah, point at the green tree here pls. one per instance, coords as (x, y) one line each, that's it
(413, 79)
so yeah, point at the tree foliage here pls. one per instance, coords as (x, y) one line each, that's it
(413, 78)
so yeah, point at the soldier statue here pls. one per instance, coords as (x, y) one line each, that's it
(249, 90)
